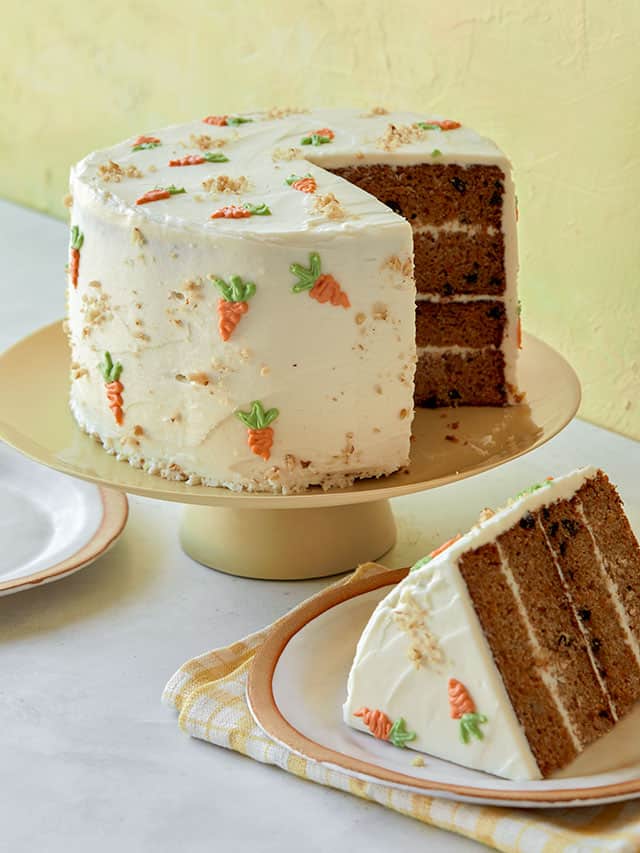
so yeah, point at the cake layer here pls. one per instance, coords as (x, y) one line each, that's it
(507, 632)
(434, 194)
(472, 377)
(463, 324)
(454, 262)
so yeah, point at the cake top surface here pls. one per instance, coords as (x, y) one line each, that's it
(264, 173)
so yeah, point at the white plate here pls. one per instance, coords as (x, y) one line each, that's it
(51, 525)
(297, 687)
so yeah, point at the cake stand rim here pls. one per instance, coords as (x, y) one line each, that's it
(178, 492)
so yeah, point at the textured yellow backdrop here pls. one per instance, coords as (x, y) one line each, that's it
(554, 82)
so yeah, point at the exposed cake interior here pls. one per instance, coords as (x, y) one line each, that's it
(558, 597)
(456, 213)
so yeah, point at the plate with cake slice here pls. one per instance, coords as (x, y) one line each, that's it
(503, 668)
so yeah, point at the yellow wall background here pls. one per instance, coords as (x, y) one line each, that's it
(555, 82)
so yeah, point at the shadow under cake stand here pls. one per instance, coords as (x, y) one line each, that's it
(306, 535)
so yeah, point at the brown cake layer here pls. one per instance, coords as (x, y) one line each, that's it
(434, 194)
(618, 545)
(506, 633)
(448, 264)
(565, 560)
(452, 263)
(460, 379)
(556, 627)
(464, 324)
(573, 548)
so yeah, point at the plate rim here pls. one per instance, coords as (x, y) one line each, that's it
(267, 714)
(160, 489)
(115, 513)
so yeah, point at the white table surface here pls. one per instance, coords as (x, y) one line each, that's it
(89, 758)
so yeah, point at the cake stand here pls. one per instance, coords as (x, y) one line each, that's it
(313, 534)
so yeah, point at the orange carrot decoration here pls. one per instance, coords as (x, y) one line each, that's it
(307, 184)
(77, 239)
(233, 304)
(381, 727)
(519, 326)
(223, 121)
(159, 193)
(143, 142)
(111, 373)
(323, 288)
(318, 137)
(447, 124)
(463, 708)
(260, 434)
(376, 721)
(232, 211)
(197, 159)
(424, 560)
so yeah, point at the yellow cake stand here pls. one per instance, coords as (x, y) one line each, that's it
(313, 534)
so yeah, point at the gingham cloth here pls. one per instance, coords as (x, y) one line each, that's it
(209, 692)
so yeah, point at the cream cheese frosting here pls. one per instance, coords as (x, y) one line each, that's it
(426, 632)
(339, 377)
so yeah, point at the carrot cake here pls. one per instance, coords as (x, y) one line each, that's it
(513, 648)
(242, 295)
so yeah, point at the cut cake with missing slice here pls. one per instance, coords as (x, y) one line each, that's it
(514, 647)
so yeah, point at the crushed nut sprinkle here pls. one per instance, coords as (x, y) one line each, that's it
(137, 237)
(394, 263)
(68, 200)
(205, 142)
(226, 184)
(200, 378)
(112, 171)
(283, 112)
(375, 111)
(400, 134)
(286, 154)
(329, 206)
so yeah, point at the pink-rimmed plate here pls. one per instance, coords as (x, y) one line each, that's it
(51, 525)
(297, 685)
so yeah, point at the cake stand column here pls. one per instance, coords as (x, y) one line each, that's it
(288, 544)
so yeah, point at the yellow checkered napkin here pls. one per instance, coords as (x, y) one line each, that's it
(209, 693)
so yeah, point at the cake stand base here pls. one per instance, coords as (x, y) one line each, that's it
(288, 544)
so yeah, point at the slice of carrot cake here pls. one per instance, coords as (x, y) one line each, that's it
(514, 647)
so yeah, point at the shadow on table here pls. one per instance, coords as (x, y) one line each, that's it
(112, 580)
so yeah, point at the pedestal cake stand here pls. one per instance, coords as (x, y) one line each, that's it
(313, 534)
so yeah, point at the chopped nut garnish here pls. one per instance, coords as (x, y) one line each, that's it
(286, 154)
(418, 761)
(486, 514)
(380, 311)
(264, 370)
(137, 237)
(112, 171)
(403, 413)
(137, 430)
(360, 318)
(283, 112)
(375, 111)
(205, 142)
(329, 206)
(400, 134)
(394, 263)
(141, 336)
(226, 184)
(198, 378)
(68, 200)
